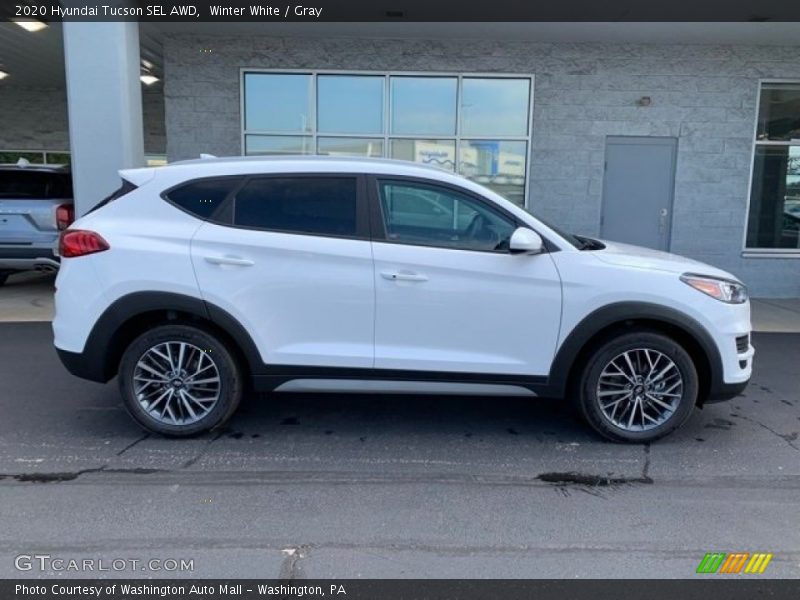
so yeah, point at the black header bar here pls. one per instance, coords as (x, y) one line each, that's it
(704, 587)
(404, 10)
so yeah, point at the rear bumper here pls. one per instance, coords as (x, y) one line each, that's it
(83, 365)
(28, 258)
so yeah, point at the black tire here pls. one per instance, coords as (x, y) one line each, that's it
(198, 342)
(634, 343)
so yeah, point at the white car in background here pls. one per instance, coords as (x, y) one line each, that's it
(203, 277)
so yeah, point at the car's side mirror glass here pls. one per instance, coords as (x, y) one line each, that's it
(525, 241)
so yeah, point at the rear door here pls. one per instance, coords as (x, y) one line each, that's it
(289, 257)
(28, 203)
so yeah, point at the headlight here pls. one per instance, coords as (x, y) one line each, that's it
(725, 290)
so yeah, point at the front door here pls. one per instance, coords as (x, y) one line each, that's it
(449, 295)
(638, 189)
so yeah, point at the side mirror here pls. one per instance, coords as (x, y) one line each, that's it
(525, 241)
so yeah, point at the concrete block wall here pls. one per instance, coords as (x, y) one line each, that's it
(35, 118)
(703, 95)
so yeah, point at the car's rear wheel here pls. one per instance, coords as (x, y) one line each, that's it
(179, 380)
(638, 387)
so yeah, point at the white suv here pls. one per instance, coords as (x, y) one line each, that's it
(198, 279)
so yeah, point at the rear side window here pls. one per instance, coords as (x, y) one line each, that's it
(34, 184)
(315, 205)
(203, 196)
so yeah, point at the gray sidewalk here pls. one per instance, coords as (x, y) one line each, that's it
(29, 297)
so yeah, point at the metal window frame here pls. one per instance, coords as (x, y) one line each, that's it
(746, 251)
(386, 135)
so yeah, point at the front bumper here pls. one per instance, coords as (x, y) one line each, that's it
(726, 391)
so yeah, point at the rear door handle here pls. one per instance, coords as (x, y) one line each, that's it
(403, 276)
(230, 260)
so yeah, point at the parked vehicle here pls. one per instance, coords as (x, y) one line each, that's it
(35, 206)
(197, 279)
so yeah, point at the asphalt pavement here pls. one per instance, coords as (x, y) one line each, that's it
(317, 486)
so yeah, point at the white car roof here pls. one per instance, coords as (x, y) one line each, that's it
(211, 166)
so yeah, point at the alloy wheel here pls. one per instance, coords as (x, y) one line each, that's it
(639, 389)
(176, 383)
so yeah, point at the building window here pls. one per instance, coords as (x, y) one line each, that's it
(774, 215)
(479, 126)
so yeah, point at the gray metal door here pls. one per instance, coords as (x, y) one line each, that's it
(638, 189)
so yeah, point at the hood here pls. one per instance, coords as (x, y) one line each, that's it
(627, 255)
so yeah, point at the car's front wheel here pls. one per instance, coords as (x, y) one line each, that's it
(638, 387)
(179, 380)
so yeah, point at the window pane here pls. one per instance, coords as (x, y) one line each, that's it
(350, 146)
(203, 197)
(13, 157)
(439, 153)
(774, 220)
(350, 104)
(435, 216)
(277, 102)
(278, 144)
(325, 206)
(62, 158)
(18, 184)
(779, 112)
(424, 105)
(497, 165)
(495, 107)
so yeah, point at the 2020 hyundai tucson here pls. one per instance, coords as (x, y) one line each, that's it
(197, 279)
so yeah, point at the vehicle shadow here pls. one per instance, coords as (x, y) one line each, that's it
(393, 414)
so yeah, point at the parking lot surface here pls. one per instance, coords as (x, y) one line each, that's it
(301, 486)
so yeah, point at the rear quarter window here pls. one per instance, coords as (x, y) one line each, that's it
(202, 197)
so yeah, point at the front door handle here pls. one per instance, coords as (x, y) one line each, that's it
(230, 260)
(403, 276)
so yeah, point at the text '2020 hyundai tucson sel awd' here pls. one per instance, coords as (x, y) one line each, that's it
(360, 275)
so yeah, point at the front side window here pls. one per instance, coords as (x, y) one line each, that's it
(307, 205)
(774, 216)
(430, 215)
(478, 126)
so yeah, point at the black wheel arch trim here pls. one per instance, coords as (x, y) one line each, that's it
(618, 314)
(98, 363)
(99, 360)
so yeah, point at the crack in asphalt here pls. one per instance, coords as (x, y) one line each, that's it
(788, 438)
(60, 477)
(560, 479)
(204, 449)
(587, 482)
(132, 444)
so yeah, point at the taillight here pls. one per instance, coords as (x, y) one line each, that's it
(65, 215)
(79, 242)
